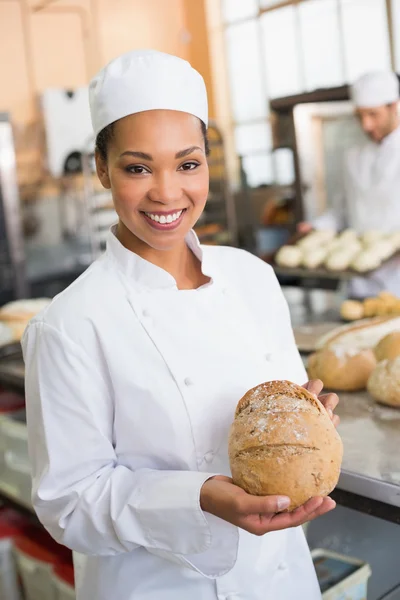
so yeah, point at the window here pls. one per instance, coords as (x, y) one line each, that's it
(281, 52)
(365, 36)
(236, 10)
(320, 43)
(258, 169)
(253, 138)
(249, 100)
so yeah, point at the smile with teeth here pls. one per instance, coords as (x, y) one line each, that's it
(164, 219)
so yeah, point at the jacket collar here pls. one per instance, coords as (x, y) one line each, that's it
(144, 273)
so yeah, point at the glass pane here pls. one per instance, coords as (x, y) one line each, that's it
(320, 42)
(245, 72)
(258, 169)
(281, 52)
(396, 32)
(253, 138)
(366, 39)
(234, 10)
(284, 166)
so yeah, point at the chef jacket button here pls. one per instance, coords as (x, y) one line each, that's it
(268, 356)
(145, 313)
(208, 457)
(282, 566)
(188, 381)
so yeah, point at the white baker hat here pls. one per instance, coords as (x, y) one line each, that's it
(375, 89)
(144, 80)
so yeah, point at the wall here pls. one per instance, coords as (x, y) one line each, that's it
(45, 43)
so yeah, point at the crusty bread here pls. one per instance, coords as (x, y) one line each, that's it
(283, 442)
(388, 347)
(364, 334)
(384, 383)
(345, 359)
(341, 370)
(352, 310)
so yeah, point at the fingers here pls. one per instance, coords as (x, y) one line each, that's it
(312, 509)
(336, 420)
(327, 505)
(314, 386)
(262, 505)
(330, 401)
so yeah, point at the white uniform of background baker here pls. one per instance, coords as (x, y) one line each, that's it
(371, 175)
(131, 388)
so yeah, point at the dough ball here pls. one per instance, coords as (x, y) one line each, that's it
(371, 237)
(365, 261)
(384, 249)
(289, 256)
(314, 239)
(283, 442)
(389, 347)
(348, 235)
(339, 260)
(314, 258)
(384, 382)
(395, 239)
(352, 310)
(341, 369)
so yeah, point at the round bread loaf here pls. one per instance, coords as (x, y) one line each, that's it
(384, 383)
(389, 347)
(283, 442)
(340, 369)
(352, 310)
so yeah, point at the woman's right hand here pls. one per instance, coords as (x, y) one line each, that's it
(257, 514)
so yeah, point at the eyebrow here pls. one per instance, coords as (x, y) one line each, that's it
(145, 156)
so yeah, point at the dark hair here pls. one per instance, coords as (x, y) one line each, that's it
(105, 136)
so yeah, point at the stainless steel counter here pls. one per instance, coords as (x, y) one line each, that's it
(371, 439)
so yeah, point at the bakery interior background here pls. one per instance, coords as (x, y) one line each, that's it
(280, 75)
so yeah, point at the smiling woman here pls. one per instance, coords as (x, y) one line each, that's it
(133, 373)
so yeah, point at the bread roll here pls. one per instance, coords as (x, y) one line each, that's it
(395, 239)
(367, 260)
(352, 310)
(316, 239)
(283, 442)
(313, 259)
(383, 248)
(289, 256)
(340, 259)
(384, 383)
(348, 235)
(371, 237)
(340, 369)
(389, 347)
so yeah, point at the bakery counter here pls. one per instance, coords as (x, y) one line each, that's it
(370, 479)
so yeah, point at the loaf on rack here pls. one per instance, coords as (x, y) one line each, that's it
(345, 357)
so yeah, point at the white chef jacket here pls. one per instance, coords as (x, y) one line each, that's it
(131, 387)
(370, 201)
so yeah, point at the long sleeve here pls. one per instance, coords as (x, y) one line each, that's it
(82, 495)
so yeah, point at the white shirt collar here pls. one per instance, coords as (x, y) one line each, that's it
(393, 139)
(146, 274)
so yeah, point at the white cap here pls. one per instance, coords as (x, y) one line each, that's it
(144, 80)
(375, 89)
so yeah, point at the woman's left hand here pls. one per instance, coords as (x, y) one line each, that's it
(330, 401)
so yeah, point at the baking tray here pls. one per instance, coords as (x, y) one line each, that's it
(320, 272)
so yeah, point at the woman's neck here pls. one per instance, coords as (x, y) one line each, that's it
(179, 261)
